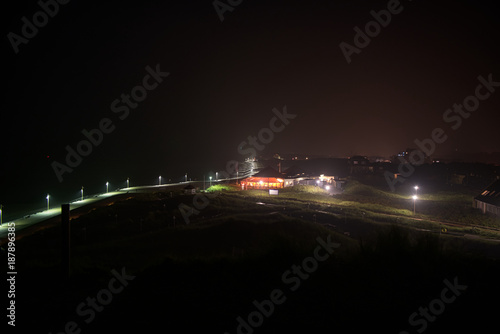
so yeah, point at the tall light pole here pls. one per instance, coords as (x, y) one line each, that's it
(414, 201)
(186, 177)
(48, 201)
(416, 190)
(216, 176)
(127, 182)
(210, 181)
(237, 181)
(107, 186)
(82, 193)
(159, 180)
(1, 216)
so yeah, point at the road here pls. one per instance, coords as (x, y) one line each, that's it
(30, 220)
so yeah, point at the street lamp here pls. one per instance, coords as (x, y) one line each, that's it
(127, 182)
(1, 216)
(82, 193)
(107, 186)
(210, 181)
(159, 180)
(216, 176)
(186, 177)
(414, 201)
(48, 201)
(416, 190)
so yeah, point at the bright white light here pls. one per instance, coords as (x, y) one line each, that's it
(416, 187)
(317, 181)
(327, 187)
(415, 197)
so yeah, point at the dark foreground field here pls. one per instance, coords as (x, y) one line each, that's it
(133, 271)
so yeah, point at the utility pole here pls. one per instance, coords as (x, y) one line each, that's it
(66, 241)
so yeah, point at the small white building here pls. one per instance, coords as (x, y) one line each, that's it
(489, 200)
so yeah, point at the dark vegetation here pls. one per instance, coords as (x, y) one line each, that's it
(200, 277)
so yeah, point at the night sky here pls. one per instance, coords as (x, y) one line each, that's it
(224, 80)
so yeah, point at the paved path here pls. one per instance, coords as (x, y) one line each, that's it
(38, 217)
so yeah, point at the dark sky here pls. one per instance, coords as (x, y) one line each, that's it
(225, 79)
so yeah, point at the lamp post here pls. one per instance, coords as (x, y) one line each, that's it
(82, 193)
(210, 181)
(216, 176)
(48, 201)
(127, 182)
(416, 190)
(159, 180)
(414, 201)
(1, 216)
(186, 177)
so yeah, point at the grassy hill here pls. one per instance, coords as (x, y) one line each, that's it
(203, 275)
